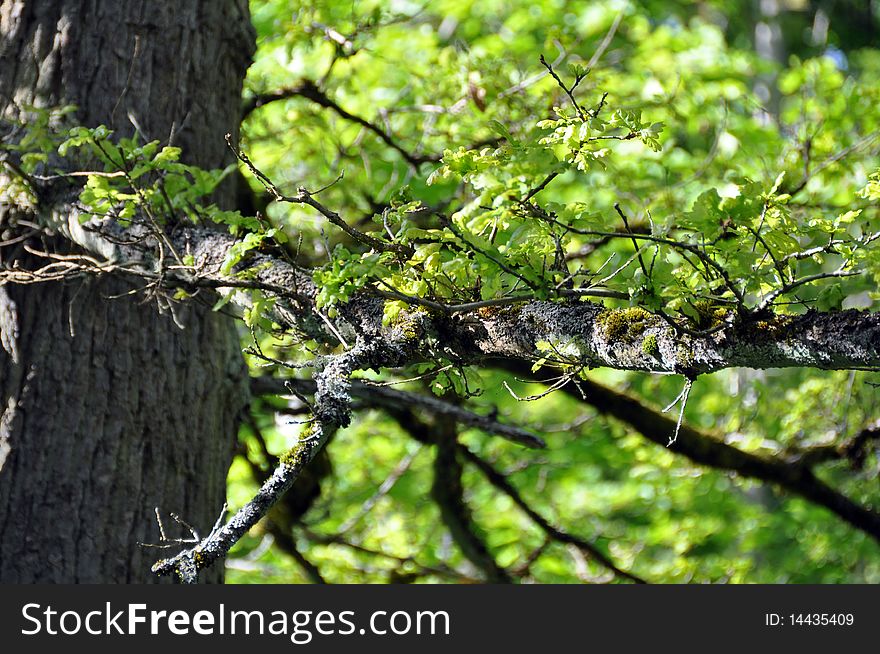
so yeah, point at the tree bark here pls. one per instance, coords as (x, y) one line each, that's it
(109, 407)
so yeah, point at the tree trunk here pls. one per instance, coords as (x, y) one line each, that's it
(109, 408)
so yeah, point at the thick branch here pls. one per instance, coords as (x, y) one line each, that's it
(448, 493)
(580, 334)
(587, 335)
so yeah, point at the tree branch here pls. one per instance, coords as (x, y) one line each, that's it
(585, 334)
(853, 449)
(306, 88)
(331, 411)
(438, 570)
(501, 482)
(381, 396)
(280, 523)
(447, 491)
(589, 334)
(705, 449)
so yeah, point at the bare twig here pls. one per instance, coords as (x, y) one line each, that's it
(304, 196)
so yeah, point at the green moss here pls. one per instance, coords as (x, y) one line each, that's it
(490, 312)
(411, 332)
(295, 456)
(684, 356)
(773, 325)
(623, 324)
(650, 345)
(707, 315)
(409, 321)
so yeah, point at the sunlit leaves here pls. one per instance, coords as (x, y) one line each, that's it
(711, 164)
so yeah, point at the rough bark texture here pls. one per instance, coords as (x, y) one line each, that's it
(576, 333)
(128, 414)
(109, 408)
(585, 334)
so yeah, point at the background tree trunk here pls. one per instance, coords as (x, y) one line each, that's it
(108, 407)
